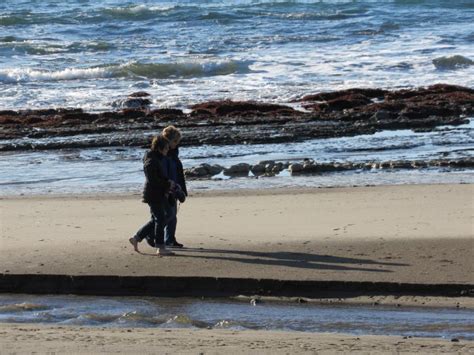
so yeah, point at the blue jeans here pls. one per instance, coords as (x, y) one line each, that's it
(170, 229)
(153, 230)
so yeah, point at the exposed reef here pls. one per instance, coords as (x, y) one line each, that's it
(322, 115)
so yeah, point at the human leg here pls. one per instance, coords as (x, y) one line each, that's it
(159, 213)
(170, 229)
(146, 231)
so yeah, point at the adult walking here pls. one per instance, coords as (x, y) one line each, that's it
(156, 193)
(175, 174)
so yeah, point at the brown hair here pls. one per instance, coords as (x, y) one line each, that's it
(171, 133)
(159, 143)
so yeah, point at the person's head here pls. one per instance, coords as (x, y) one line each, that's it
(173, 135)
(160, 144)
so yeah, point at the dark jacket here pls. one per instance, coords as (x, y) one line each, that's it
(173, 155)
(156, 183)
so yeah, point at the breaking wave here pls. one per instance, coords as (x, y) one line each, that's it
(22, 307)
(136, 12)
(129, 70)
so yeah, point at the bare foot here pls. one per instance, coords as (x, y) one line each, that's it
(134, 242)
(164, 252)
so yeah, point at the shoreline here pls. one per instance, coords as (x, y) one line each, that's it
(284, 190)
(26, 338)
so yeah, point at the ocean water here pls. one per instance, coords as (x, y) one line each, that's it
(119, 169)
(227, 314)
(89, 54)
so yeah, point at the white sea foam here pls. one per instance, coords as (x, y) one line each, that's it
(26, 75)
(135, 70)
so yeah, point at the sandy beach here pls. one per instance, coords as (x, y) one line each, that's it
(413, 234)
(63, 339)
(416, 234)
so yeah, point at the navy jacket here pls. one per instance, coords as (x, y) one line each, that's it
(175, 162)
(156, 183)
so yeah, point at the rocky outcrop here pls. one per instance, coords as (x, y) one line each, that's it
(240, 108)
(309, 166)
(203, 171)
(136, 101)
(332, 114)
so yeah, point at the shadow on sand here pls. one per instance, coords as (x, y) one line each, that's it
(286, 259)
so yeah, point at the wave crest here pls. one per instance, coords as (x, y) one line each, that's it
(183, 70)
(136, 12)
(129, 70)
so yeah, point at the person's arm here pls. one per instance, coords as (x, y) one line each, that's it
(181, 178)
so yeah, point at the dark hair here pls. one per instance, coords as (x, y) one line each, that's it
(159, 143)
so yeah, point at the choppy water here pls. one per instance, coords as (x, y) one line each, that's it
(120, 169)
(89, 53)
(226, 314)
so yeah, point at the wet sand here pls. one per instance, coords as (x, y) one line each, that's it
(29, 338)
(415, 234)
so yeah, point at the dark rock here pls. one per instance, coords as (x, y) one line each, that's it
(9, 113)
(228, 107)
(8, 119)
(203, 170)
(296, 168)
(277, 168)
(382, 115)
(198, 171)
(132, 113)
(238, 169)
(214, 169)
(80, 116)
(258, 169)
(166, 113)
(325, 96)
(132, 103)
(139, 94)
(40, 112)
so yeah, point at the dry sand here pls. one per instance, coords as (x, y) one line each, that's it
(63, 339)
(415, 234)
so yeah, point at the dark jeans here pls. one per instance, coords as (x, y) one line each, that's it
(153, 231)
(170, 229)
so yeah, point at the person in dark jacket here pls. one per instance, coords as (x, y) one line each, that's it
(155, 194)
(175, 174)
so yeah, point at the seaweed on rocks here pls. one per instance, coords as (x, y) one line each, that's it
(328, 114)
